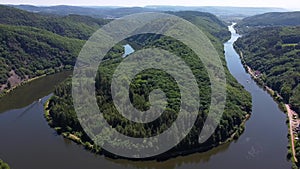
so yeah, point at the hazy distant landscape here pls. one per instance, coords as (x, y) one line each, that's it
(116, 12)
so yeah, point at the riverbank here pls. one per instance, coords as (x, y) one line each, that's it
(163, 157)
(291, 129)
(237, 113)
(253, 149)
(69, 136)
(257, 78)
(7, 91)
(278, 99)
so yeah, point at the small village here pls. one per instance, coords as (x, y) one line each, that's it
(295, 124)
(293, 117)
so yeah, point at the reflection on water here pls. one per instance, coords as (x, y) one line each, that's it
(173, 163)
(27, 142)
(33, 91)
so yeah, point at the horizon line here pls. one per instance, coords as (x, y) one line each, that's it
(145, 6)
(124, 6)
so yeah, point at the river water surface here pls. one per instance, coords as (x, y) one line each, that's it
(27, 142)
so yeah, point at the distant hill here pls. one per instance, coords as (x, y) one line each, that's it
(270, 20)
(26, 52)
(115, 12)
(74, 26)
(207, 22)
(33, 44)
(238, 102)
(221, 11)
(97, 12)
(81, 27)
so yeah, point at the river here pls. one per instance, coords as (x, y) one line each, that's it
(27, 142)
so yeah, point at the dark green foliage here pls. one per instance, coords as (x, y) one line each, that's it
(295, 98)
(4, 165)
(237, 106)
(207, 22)
(64, 113)
(74, 26)
(275, 52)
(4, 72)
(32, 52)
(32, 44)
(297, 149)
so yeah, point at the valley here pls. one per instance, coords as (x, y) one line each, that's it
(259, 128)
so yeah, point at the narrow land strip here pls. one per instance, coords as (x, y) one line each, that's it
(291, 114)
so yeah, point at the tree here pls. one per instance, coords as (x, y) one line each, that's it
(4, 165)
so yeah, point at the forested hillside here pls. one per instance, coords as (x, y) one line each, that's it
(269, 20)
(73, 26)
(26, 52)
(32, 45)
(275, 53)
(208, 23)
(238, 106)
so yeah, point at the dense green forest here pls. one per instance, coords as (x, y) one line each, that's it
(270, 45)
(209, 23)
(32, 44)
(275, 53)
(73, 26)
(4, 165)
(269, 20)
(31, 52)
(63, 117)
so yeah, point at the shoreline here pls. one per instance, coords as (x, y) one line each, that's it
(236, 133)
(163, 157)
(5, 92)
(278, 99)
(292, 137)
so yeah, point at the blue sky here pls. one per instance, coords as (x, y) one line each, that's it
(288, 4)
